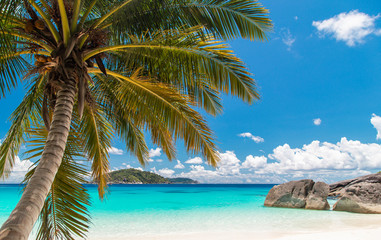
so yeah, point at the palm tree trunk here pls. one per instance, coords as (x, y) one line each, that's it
(20, 223)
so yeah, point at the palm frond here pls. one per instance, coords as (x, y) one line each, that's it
(64, 21)
(125, 122)
(76, 11)
(226, 19)
(11, 68)
(97, 133)
(194, 62)
(65, 213)
(206, 97)
(171, 108)
(25, 115)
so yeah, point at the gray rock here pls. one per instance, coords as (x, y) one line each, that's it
(360, 195)
(335, 188)
(317, 197)
(290, 195)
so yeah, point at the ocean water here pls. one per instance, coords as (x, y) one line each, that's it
(171, 211)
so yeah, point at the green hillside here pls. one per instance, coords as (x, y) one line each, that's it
(135, 176)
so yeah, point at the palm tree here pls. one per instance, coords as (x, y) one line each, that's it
(125, 67)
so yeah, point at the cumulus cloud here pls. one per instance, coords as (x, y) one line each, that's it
(376, 122)
(321, 161)
(352, 27)
(227, 171)
(155, 152)
(344, 155)
(254, 162)
(287, 37)
(228, 164)
(199, 173)
(256, 139)
(127, 166)
(115, 151)
(165, 172)
(179, 165)
(152, 160)
(196, 160)
(317, 121)
(19, 170)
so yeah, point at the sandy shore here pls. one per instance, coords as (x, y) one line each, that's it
(355, 234)
(316, 226)
(347, 234)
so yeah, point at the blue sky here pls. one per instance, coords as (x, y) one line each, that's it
(322, 63)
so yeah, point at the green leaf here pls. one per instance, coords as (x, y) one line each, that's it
(65, 213)
(97, 133)
(25, 115)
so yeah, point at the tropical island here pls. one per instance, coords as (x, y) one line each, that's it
(136, 176)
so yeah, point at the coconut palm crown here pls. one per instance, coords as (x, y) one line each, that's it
(99, 69)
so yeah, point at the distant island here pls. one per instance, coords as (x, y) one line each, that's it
(135, 176)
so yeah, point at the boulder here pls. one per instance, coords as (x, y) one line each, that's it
(335, 188)
(360, 195)
(290, 195)
(317, 197)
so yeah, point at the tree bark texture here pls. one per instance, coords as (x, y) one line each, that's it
(22, 219)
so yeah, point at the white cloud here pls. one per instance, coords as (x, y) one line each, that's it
(317, 121)
(198, 172)
(376, 122)
(287, 38)
(321, 161)
(228, 164)
(344, 155)
(115, 151)
(196, 160)
(228, 170)
(254, 162)
(152, 160)
(296, 18)
(165, 172)
(256, 139)
(127, 166)
(19, 170)
(179, 165)
(155, 152)
(352, 27)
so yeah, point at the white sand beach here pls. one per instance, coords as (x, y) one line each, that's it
(367, 227)
(348, 234)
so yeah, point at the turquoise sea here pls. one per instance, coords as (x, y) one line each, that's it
(216, 211)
